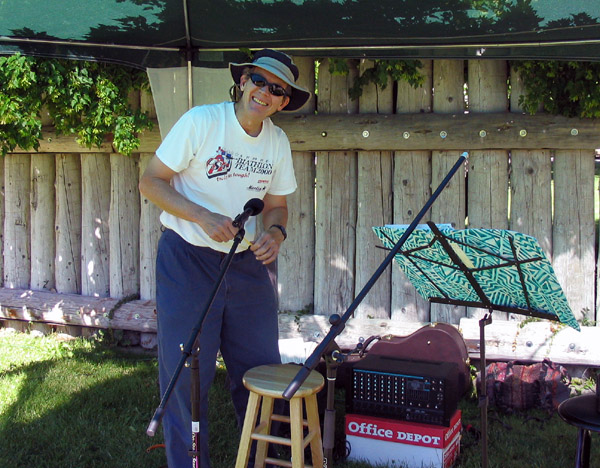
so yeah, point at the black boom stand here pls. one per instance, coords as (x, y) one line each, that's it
(190, 349)
(337, 322)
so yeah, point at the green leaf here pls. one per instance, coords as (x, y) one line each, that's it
(381, 73)
(564, 88)
(83, 98)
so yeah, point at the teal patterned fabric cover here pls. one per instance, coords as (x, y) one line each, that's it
(501, 284)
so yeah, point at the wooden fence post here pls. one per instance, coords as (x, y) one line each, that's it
(374, 206)
(149, 236)
(487, 193)
(67, 265)
(296, 261)
(17, 240)
(336, 204)
(124, 222)
(95, 176)
(530, 183)
(412, 189)
(573, 229)
(488, 169)
(43, 207)
(448, 83)
(149, 219)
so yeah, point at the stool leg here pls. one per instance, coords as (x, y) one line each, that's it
(297, 433)
(249, 424)
(316, 444)
(265, 423)
(584, 440)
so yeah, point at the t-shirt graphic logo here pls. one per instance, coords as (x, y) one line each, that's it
(219, 165)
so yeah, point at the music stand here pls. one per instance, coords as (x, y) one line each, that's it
(491, 269)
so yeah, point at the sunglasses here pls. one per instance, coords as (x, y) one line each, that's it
(274, 88)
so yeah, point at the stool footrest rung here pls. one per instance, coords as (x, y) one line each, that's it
(286, 419)
(280, 418)
(271, 439)
(282, 440)
(279, 462)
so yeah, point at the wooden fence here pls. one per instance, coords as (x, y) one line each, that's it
(79, 240)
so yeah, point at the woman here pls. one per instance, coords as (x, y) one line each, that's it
(211, 163)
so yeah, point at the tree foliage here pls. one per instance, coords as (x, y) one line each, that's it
(566, 88)
(88, 99)
(379, 74)
(571, 89)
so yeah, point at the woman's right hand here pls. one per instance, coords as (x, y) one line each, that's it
(218, 227)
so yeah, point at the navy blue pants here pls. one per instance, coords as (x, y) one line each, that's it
(242, 323)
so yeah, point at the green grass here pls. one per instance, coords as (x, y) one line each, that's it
(80, 404)
(74, 404)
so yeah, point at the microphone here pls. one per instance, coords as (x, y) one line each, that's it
(252, 208)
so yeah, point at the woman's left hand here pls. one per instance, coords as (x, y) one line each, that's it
(266, 247)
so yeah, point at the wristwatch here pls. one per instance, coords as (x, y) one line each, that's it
(281, 228)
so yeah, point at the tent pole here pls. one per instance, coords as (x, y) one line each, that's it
(190, 85)
(189, 52)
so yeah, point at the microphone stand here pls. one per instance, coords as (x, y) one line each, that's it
(337, 322)
(189, 349)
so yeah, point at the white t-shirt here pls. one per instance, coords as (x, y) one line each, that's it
(220, 167)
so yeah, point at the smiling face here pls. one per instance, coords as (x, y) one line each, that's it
(259, 102)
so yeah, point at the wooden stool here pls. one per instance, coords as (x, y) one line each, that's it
(267, 383)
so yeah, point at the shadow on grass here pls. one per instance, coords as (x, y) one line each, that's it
(91, 409)
(87, 410)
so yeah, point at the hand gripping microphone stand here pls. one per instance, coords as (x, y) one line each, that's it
(337, 322)
(252, 208)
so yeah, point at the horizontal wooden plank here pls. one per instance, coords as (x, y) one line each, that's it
(438, 131)
(505, 340)
(314, 328)
(534, 341)
(140, 315)
(73, 309)
(409, 132)
(52, 143)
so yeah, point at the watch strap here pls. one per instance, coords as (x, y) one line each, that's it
(281, 228)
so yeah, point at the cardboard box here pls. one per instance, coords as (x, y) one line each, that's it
(395, 443)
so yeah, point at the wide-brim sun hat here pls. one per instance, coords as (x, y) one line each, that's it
(282, 66)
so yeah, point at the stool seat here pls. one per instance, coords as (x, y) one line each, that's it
(272, 380)
(581, 412)
(267, 384)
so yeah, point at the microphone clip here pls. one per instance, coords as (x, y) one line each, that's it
(252, 208)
